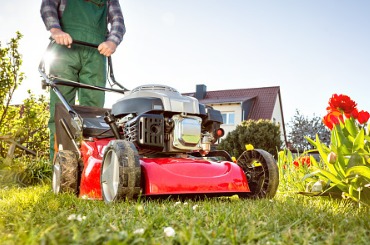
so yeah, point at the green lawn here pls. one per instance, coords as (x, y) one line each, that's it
(34, 215)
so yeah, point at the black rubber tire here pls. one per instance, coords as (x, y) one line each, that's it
(65, 173)
(120, 176)
(261, 171)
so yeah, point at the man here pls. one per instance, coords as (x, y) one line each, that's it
(87, 21)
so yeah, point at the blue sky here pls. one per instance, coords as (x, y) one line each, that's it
(310, 48)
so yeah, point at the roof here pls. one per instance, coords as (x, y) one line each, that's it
(264, 99)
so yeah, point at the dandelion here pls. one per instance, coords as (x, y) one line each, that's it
(80, 218)
(185, 203)
(169, 232)
(195, 207)
(139, 231)
(71, 217)
(234, 198)
(76, 217)
(177, 203)
(139, 208)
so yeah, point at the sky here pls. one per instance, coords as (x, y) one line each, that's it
(310, 48)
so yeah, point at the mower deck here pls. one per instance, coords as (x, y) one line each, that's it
(167, 176)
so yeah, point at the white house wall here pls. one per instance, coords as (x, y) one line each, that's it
(236, 108)
(277, 117)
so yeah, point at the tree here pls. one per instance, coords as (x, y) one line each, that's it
(302, 126)
(262, 134)
(27, 123)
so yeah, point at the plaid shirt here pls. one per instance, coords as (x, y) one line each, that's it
(52, 10)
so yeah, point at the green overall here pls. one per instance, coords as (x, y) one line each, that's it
(85, 21)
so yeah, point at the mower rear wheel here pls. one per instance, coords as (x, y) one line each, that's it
(261, 171)
(120, 172)
(65, 173)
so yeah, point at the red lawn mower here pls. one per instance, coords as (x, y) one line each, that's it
(153, 142)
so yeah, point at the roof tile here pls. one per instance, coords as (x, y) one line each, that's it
(265, 99)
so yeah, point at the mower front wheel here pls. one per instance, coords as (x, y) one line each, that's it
(65, 173)
(261, 171)
(120, 172)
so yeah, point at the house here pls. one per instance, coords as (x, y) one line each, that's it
(237, 105)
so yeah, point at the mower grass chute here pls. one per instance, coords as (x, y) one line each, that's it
(153, 142)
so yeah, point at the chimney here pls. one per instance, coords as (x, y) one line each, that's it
(201, 91)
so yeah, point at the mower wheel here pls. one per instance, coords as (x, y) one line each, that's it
(65, 172)
(261, 171)
(120, 172)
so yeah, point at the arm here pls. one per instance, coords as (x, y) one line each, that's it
(49, 14)
(118, 29)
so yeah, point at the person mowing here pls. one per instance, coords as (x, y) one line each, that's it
(87, 21)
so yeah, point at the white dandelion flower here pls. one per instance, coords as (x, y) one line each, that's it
(169, 232)
(139, 231)
(80, 217)
(195, 207)
(71, 217)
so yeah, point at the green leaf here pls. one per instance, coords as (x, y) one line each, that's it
(309, 175)
(355, 160)
(312, 142)
(350, 125)
(342, 142)
(340, 164)
(359, 141)
(359, 170)
(330, 176)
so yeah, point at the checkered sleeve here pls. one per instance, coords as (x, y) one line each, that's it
(116, 21)
(49, 13)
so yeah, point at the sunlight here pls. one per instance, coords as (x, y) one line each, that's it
(48, 59)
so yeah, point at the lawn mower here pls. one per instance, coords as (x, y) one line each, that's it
(152, 142)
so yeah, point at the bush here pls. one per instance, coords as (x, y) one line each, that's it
(262, 134)
(301, 127)
(25, 171)
(26, 124)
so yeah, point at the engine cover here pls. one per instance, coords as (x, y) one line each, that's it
(155, 98)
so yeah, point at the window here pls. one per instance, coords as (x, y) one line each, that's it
(228, 118)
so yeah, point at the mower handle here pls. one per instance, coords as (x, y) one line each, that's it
(53, 81)
(110, 65)
(92, 45)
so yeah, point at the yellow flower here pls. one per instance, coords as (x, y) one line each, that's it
(249, 147)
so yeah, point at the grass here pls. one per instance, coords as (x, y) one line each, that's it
(34, 215)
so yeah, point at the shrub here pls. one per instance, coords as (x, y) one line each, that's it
(25, 171)
(262, 134)
(26, 124)
(301, 127)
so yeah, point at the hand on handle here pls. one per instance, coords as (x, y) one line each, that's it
(61, 37)
(107, 48)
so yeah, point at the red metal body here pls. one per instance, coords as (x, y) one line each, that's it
(191, 176)
(166, 176)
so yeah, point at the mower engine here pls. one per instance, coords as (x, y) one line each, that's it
(157, 118)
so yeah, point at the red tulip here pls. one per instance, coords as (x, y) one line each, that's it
(302, 161)
(332, 118)
(354, 114)
(363, 117)
(341, 103)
